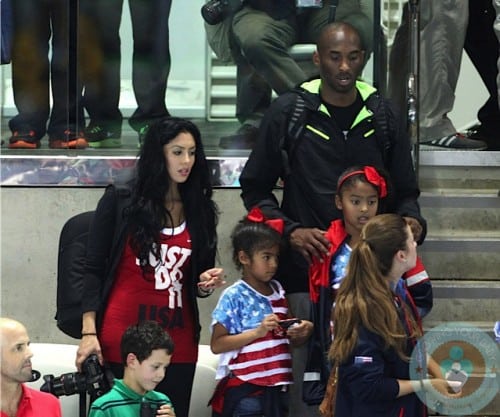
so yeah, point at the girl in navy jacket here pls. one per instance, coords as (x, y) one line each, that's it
(375, 330)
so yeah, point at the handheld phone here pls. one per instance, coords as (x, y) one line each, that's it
(458, 377)
(285, 324)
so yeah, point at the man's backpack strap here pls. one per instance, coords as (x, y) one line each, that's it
(382, 121)
(290, 139)
(384, 129)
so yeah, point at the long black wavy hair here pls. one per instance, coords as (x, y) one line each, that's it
(147, 214)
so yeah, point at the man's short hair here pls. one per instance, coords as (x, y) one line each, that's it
(142, 338)
(336, 26)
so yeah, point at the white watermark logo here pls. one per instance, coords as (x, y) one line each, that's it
(466, 355)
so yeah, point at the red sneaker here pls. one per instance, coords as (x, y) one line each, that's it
(69, 140)
(24, 140)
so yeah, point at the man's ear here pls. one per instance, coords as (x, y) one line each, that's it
(338, 202)
(316, 58)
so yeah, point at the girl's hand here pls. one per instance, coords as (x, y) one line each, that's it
(166, 410)
(444, 387)
(211, 279)
(269, 323)
(299, 333)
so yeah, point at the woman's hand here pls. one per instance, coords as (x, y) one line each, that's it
(88, 345)
(211, 279)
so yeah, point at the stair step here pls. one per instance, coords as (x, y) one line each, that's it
(223, 91)
(431, 156)
(223, 111)
(459, 170)
(453, 241)
(466, 198)
(223, 72)
(466, 289)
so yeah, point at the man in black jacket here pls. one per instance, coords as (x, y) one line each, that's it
(340, 131)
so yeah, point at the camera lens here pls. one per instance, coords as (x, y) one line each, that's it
(214, 11)
(70, 384)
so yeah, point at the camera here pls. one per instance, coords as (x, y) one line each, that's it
(215, 11)
(94, 379)
(149, 409)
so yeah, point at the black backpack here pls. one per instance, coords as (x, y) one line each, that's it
(71, 262)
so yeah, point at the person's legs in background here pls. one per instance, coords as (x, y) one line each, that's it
(102, 81)
(266, 63)
(481, 46)
(151, 61)
(442, 34)
(253, 96)
(66, 123)
(30, 72)
(496, 26)
(263, 65)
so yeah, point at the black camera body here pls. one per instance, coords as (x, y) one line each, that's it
(94, 379)
(215, 11)
(149, 409)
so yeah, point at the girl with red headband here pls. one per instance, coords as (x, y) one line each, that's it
(361, 191)
(251, 326)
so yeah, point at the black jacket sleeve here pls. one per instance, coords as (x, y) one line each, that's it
(100, 241)
(265, 164)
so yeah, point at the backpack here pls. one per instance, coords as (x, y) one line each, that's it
(383, 124)
(71, 265)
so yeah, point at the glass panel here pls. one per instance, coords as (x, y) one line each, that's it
(100, 78)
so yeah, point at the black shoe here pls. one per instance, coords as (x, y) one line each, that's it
(489, 134)
(244, 138)
(457, 141)
(100, 137)
(142, 134)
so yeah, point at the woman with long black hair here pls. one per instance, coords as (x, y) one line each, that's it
(164, 257)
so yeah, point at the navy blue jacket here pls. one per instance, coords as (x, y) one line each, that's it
(368, 386)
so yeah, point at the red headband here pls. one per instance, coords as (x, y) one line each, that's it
(372, 176)
(255, 215)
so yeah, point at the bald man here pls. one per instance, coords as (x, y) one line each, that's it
(17, 400)
(338, 132)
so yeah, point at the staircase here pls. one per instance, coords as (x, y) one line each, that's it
(461, 202)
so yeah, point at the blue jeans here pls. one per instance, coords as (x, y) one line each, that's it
(252, 406)
(249, 407)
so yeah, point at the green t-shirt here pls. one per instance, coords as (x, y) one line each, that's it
(121, 401)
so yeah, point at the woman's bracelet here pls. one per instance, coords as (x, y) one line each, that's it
(89, 334)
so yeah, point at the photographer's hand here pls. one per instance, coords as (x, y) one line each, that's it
(89, 343)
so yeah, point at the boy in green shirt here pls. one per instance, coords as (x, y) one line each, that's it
(146, 351)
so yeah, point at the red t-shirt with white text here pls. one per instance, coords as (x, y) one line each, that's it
(160, 294)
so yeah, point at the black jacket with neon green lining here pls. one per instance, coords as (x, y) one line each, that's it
(320, 155)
